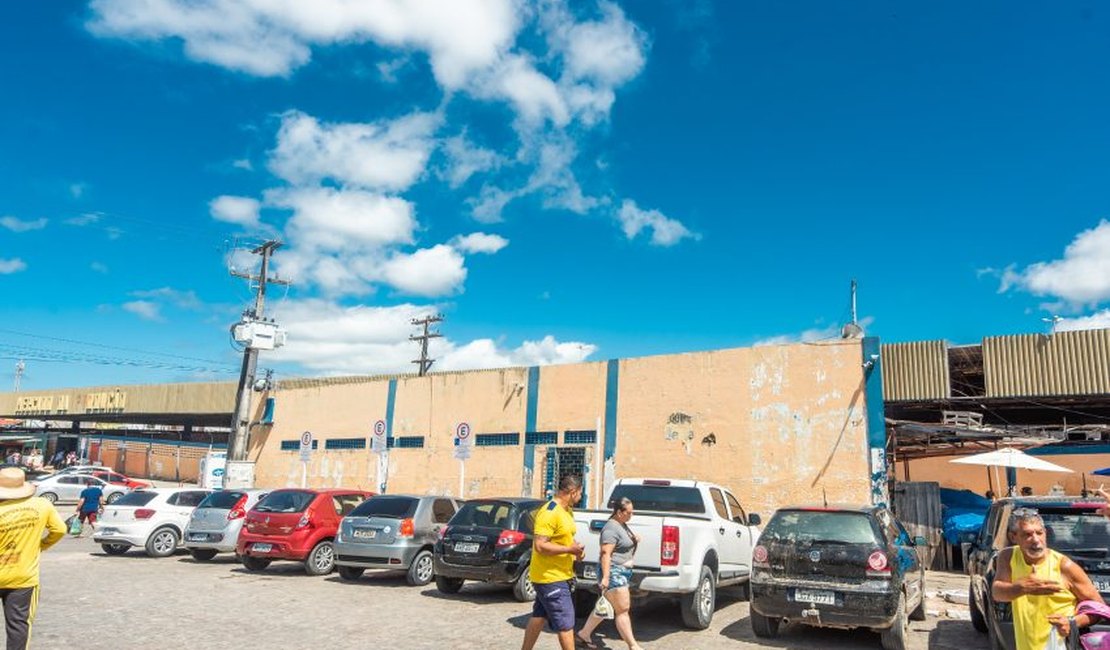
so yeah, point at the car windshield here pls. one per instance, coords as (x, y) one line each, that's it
(395, 507)
(661, 498)
(493, 514)
(286, 501)
(1077, 532)
(135, 499)
(819, 526)
(222, 500)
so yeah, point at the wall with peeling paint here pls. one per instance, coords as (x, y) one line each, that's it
(777, 424)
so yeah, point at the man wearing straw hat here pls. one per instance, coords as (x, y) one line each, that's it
(28, 526)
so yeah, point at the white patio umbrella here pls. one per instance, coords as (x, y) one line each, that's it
(1009, 457)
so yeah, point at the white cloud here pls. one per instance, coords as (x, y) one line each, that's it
(664, 230)
(18, 225)
(145, 309)
(12, 265)
(77, 190)
(610, 51)
(177, 297)
(811, 335)
(336, 220)
(434, 271)
(239, 210)
(533, 94)
(479, 242)
(1080, 277)
(1096, 321)
(335, 339)
(274, 38)
(243, 163)
(87, 219)
(99, 267)
(388, 156)
(465, 159)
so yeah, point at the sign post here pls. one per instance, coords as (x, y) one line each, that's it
(306, 455)
(464, 443)
(379, 444)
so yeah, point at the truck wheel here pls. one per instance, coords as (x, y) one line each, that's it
(448, 585)
(765, 627)
(523, 589)
(422, 569)
(698, 607)
(894, 638)
(977, 620)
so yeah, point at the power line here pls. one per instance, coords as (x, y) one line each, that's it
(113, 347)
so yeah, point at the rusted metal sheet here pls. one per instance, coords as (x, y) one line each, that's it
(916, 370)
(1066, 363)
(917, 506)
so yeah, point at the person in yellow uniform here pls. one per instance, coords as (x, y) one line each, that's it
(551, 569)
(1042, 586)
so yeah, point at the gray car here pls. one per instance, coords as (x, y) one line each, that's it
(67, 488)
(393, 531)
(215, 524)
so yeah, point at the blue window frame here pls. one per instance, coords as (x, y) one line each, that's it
(345, 443)
(541, 438)
(295, 445)
(407, 442)
(497, 439)
(580, 437)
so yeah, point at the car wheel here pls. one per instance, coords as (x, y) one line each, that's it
(523, 589)
(918, 613)
(449, 585)
(894, 638)
(202, 554)
(254, 563)
(350, 572)
(993, 641)
(50, 496)
(113, 497)
(698, 607)
(115, 549)
(977, 620)
(422, 570)
(321, 560)
(765, 627)
(162, 543)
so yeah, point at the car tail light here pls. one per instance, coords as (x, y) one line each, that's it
(878, 566)
(668, 551)
(237, 511)
(305, 521)
(407, 529)
(510, 538)
(759, 556)
(144, 513)
(442, 532)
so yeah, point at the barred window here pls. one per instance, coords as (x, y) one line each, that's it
(344, 443)
(541, 437)
(580, 437)
(295, 445)
(497, 439)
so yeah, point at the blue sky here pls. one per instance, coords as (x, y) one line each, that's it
(563, 181)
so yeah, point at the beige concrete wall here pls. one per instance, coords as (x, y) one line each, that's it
(787, 421)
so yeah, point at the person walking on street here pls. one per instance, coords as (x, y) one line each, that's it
(552, 566)
(1042, 586)
(618, 547)
(28, 526)
(89, 505)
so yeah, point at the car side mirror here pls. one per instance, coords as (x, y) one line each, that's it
(754, 520)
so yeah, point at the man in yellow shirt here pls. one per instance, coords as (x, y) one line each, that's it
(24, 519)
(1042, 586)
(552, 566)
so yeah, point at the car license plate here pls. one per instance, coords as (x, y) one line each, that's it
(467, 547)
(262, 548)
(198, 537)
(814, 596)
(1102, 585)
(107, 531)
(365, 533)
(589, 572)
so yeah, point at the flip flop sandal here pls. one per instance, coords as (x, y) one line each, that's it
(586, 643)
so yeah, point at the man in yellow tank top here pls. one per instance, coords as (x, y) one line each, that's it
(1042, 586)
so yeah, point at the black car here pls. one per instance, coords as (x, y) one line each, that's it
(1074, 527)
(488, 540)
(837, 566)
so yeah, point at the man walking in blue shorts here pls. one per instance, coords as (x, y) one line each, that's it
(552, 567)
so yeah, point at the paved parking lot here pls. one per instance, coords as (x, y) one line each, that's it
(93, 601)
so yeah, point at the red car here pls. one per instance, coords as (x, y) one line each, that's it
(117, 479)
(297, 525)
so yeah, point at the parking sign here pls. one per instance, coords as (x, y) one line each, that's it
(378, 442)
(306, 446)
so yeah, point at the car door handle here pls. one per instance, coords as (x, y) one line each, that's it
(739, 533)
(722, 530)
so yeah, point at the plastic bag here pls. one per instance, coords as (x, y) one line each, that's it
(602, 609)
(74, 524)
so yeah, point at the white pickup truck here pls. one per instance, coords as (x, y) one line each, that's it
(695, 537)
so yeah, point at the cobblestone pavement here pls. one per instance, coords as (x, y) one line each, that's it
(93, 601)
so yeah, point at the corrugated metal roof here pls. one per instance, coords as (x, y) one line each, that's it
(1066, 363)
(916, 370)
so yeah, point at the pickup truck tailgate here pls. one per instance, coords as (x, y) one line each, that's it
(648, 527)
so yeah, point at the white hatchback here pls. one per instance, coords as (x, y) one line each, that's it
(151, 519)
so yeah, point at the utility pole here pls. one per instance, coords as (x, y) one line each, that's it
(240, 421)
(424, 363)
(19, 368)
(854, 319)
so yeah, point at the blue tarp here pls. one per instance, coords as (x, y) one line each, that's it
(962, 514)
